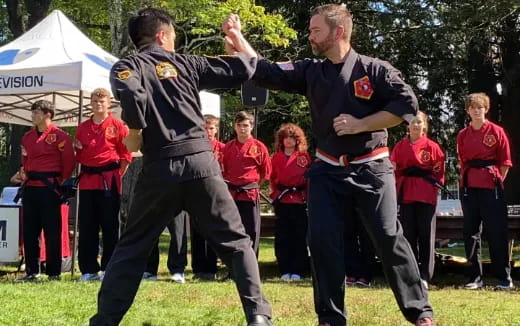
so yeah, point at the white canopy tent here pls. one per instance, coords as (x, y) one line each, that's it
(57, 62)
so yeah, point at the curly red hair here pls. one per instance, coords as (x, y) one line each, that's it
(290, 130)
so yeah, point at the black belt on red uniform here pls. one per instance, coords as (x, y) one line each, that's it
(285, 190)
(415, 171)
(477, 164)
(99, 171)
(44, 178)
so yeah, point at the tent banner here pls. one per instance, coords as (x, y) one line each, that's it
(44, 79)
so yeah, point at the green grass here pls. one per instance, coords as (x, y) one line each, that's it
(217, 304)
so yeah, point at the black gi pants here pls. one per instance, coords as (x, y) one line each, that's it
(371, 187)
(177, 251)
(485, 210)
(97, 211)
(419, 225)
(203, 257)
(159, 196)
(250, 215)
(41, 210)
(359, 251)
(290, 245)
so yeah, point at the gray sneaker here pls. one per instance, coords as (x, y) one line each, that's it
(28, 278)
(147, 276)
(477, 283)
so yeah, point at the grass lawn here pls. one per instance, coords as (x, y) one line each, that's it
(216, 303)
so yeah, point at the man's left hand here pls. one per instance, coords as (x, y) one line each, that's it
(346, 124)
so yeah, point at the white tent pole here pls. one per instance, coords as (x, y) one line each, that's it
(76, 208)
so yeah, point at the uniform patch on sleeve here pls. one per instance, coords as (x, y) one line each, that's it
(363, 88)
(425, 156)
(125, 74)
(61, 146)
(111, 132)
(287, 65)
(302, 161)
(437, 167)
(50, 139)
(24, 152)
(489, 140)
(166, 70)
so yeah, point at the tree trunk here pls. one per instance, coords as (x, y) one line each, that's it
(510, 55)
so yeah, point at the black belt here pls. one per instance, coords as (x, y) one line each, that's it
(285, 190)
(415, 171)
(477, 164)
(85, 169)
(43, 177)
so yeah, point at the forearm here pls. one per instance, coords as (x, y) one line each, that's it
(503, 171)
(380, 120)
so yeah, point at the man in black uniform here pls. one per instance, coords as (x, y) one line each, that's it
(352, 99)
(158, 90)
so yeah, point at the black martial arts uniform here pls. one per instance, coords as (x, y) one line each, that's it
(158, 91)
(352, 167)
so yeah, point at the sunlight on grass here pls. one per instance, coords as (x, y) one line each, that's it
(217, 304)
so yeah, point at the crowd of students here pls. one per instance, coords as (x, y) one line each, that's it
(419, 163)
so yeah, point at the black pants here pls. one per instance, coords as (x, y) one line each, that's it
(156, 200)
(419, 224)
(290, 244)
(203, 257)
(41, 210)
(359, 251)
(250, 215)
(485, 212)
(97, 212)
(177, 251)
(371, 187)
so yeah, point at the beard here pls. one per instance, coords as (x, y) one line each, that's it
(322, 47)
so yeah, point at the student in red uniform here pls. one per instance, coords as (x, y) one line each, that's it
(419, 163)
(484, 159)
(289, 194)
(104, 160)
(245, 164)
(203, 257)
(48, 160)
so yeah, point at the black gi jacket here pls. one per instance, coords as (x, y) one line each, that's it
(379, 87)
(159, 93)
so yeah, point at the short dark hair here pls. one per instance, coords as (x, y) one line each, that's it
(44, 106)
(143, 26)
(336, 15)
(243, 116)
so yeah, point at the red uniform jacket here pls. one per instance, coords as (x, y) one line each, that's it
(246, 163)
(218, 148)
(488, 143)
(288, 172)
(424, 154)
(50, 152)
(98, 145)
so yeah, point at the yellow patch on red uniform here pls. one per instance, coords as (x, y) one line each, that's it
(437, 167)
(425, 156)
(489, 140)
(50, 139)
(125, 74)
(253, 151)
(111, 132)
(302, 161)
(61, 146)
(363, 88)
(166, 70)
